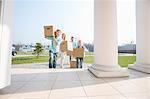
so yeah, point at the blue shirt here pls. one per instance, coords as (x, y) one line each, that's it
(74, 45)
(53, 47)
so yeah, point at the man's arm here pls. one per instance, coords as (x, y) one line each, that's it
(56, 42)
(49, 37)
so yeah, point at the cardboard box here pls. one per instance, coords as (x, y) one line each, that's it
(73, 64)
(64, 46)
(78, 52)
(69, 53)
(49, 31)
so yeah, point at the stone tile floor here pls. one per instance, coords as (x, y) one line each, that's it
(43, 83)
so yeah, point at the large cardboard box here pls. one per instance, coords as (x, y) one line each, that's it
(73, 64)
(49, 31)
(63, 46)
(78, 52)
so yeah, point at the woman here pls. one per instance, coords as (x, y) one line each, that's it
(63, 54)
(54, 48)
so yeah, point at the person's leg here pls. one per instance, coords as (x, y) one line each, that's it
(54, 59)
(70, 58)
(50, 59)
(62, 60)
(77, 59)
(81, 62)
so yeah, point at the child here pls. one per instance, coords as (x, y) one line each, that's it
(79, 59)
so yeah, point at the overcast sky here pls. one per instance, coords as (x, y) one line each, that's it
(75, 17)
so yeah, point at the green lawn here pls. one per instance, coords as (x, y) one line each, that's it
(122, 60)
(125, 60)
(29, 59)
(24, 53)
(31, 53)
(89, 59)
(89, 53)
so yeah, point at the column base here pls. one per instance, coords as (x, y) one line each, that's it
(2, 85)
(140, 67)
(108, 71)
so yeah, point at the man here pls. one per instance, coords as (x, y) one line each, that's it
(54, 48)
(73, 44)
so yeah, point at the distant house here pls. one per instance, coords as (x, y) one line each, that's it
(27, 48)
(127, 48)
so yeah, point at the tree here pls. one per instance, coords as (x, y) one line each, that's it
(38, 49)
(89, 46)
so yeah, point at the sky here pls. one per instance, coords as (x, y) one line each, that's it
(74, 17)
(126, 21)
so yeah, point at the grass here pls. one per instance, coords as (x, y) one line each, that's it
(89, 53)
(44, 53)
(122, 60)
(31, 53)
(125, 60)
(29, 59)
(88, 59)
(24, 53)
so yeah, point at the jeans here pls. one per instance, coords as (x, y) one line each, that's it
(79, 62)
(52, 59)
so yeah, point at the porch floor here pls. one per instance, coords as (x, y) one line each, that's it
(44, 83)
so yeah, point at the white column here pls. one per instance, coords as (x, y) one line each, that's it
(5, 42)
(105, 40)
(142, 36)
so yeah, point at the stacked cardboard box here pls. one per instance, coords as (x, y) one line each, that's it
(73, 63)
(78, 52)
(49, 30)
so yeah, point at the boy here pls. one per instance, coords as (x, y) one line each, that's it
(79, 59)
